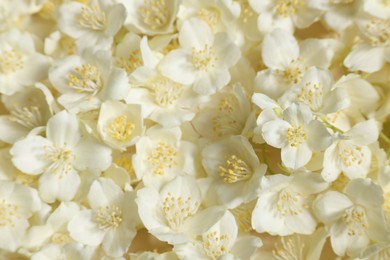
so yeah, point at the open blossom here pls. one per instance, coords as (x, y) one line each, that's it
(350, 153)
(297, 135)
(221, 241)
(59, 157)
(94, 23)
(287, 61)
(151, 17)
(235, 170)
(203, 60)
(284, 204)
(21, 65)
(354, 217)
(175, 212)
(110, 221)
(87, 80)
(28, 110)
(17, 204)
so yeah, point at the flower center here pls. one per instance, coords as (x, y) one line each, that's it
(92, 17)
(378, 32)
(234, 170)
(61, 160)
(121, 129)
(85, 79)
(163, 156)
(294, 73)
(356, 221)
(296, 135)
(215, 245)
(108, 217)
(228, 122)
(203, 59)
(177, 210)
(10, 61)
(166, 92)
(209, 16)
(29, 117)
(8, 214)
(287, 8)
(154, 13)
(292, 249)
(290, 203)
(131, 63)
(311, 95)
(60, 238)
(351, 155)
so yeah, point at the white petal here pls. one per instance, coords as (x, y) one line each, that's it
(11, 131)
(149, 208)
(177, 65)
(330, 206)
(316, 53)
(195, 33)
(298, 114)
(92, 156)
(296, 157)
(227, 52)
(365, 58)
(335, 101)
(210, 82)
(331, 170)
(83, 229)
(63, 129)
(62, 187)
(279, 49)
(116, 242)
(29, 154)
(274, 133)
(318, 137)
(103, 192)
(116, 87)
(203, 220)
(365, 192)
(363, 133)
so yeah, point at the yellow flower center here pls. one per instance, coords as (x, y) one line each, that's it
(203, 59)
(154, 13)
(163, 156)
(356, 221)
(177, 209)
(312, 94)
(132, 62)
(108, 217)
(29, 117)
(165, 91)
(216, 245)
(121, 129)
(234, 170)
(8, 214)
(61, 160)
(287, 8)
(378, 32)
(86, 78)
(296, 135)
(10, 61)
(290, 203)
(210, 16)
(92, 17)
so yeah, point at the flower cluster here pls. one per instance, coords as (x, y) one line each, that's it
(194, 129)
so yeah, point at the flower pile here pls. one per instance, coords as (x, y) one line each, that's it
(194, 129)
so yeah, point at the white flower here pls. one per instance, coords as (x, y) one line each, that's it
(110, 221)
(119, 125)
(59, 157)
(225, 114)
(161, 155)
(350, 153)
(235, 169)
(21, 65)
(66, 251)
(219, 15)
(297, 135)
(87, 80)
(59, 45)
(175, 213)
(353, 218)
(315, 90)
(284, 204)
(287, 61)
(203, 60)
(28, 110)
(285, 14)
(373, 52)
(220, 242)
(151, 16)
(377, 8)
(93, 24)
(17, 204)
